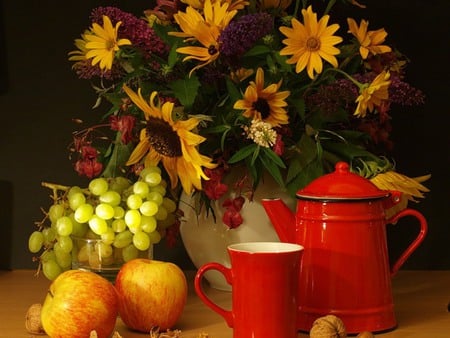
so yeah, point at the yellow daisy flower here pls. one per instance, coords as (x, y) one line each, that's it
(79, 55)
(370, 41)
(170, 142)
(102, 44)
(204, 29)
(372, 95)
(311, 42)
(232, 4)
(410, 187)
(265, 104)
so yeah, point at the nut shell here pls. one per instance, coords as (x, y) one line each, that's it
(33, 322)
(328, 326)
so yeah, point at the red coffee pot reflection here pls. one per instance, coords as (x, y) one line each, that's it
(341, 223)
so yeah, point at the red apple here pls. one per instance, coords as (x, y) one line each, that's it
(78, 302)
(151, 294)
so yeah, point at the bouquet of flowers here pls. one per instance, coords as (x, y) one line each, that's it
(203, 88)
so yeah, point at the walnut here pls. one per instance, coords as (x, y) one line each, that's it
(328, 326)
(33, 322)
(365, 334)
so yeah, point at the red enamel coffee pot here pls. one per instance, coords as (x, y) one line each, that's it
(341, 223)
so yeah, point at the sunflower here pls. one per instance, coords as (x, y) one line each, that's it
(372, 95)
(102, 44)
(233, 4)
(310, 43)
(170, 142)
(204, 29)
(370, 41)
(265, 104)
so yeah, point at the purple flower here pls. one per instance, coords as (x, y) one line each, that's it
(240, 35)
(141, 35)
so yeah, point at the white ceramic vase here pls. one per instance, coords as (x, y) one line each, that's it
(206, 240)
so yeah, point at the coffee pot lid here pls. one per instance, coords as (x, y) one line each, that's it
(341, 185)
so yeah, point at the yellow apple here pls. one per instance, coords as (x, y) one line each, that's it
(78, 302)
(151, 293)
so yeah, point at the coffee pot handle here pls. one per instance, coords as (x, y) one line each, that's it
(228, 315)
(415, 243)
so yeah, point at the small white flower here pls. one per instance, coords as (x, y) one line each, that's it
(261, 133)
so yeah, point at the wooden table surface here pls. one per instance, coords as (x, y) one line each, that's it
(421, 299)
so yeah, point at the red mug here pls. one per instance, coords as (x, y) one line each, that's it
(264, 279)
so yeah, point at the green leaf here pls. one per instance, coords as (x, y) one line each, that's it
(270, 154)
(273, 170)
(233, 91)
(258, 50)
(118, 154)
(243, 153)
(185, 90)
(306, 175)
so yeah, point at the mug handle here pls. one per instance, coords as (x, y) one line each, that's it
(415, 243)
(228, 315)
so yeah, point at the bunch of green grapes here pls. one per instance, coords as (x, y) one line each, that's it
(125, 218)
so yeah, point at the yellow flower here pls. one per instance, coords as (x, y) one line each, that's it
(370, 41)
(204, 29)
(102, 44)
(410, 187)
(232, 4)
(264, 104)
(372, 95)
(79, 55)
(311, 42)
(170, 142)
(241, 74)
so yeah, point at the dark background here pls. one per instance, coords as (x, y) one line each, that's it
(40, 95)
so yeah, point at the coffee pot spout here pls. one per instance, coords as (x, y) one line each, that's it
(282, 218)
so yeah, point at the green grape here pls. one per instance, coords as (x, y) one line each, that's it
(64, 259)
(74, 190)
(153, 179)
(140, 188)
(119, 184)
(104, 211)
(132, 218)
(98, 225)
(148, 223)
(51, 269)
(149, 169)
(134, 201)
(119, 212)
(56, 211)
(64, 226)
(108, 236)
(161, 214)
(110, 197)
(169, 204)
(76, 199)
(155, 237)
(83, 213)
(49, 236)
(129, 252)
(103, 249)
(141, 240)
(149, 208)
(65, 243)
(123, 239)
(98, 186)
(118, 225)
(47, 255)
(165, 223)
(83, 254)
(79, 229)
(35, 241)
(155, 196)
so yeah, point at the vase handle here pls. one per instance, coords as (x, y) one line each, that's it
(228, 315)
(416, 242)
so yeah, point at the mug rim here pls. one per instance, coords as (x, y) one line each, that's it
(265, 247)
